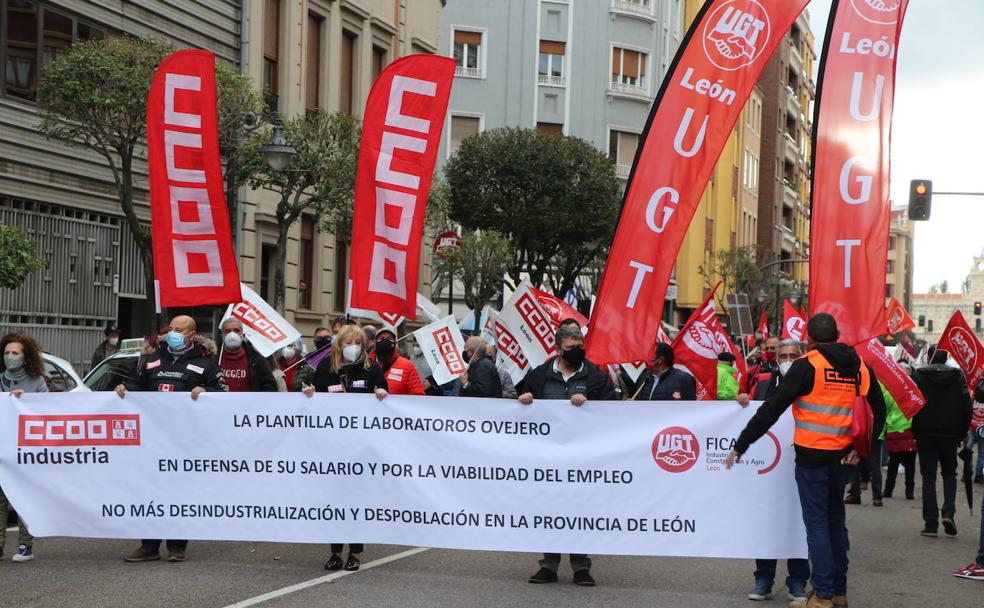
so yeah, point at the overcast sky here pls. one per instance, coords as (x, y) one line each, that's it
(938, 130)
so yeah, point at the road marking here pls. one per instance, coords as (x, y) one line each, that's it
(259, 599)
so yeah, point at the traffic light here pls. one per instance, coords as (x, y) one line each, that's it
(922, 320)
(920, 199)
(977, 308)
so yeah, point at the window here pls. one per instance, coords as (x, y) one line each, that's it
(378, 61)
(347, 91)
(551, 65)
(306, 287)
(629, 71)
(467, 53)
(891, 242)
(553, 20)
(56, 36)
(271, 53)
(622, 150)
(551, 104)
(550, 128)
(312, 68)
(341, 273)
(889, 290)
(462, 127)
(889, 266)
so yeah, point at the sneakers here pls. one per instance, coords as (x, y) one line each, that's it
(839, 601)
(812, 601)
(24, 554)
(352, 563)
(142, 555)
(334, 563)
(797, 594)
(929, 532)
(973, 572)
(762, 592)
(583, 578)
(877, 502)
(852, 500)
(949, 527)
(543, 575)
(176, 555)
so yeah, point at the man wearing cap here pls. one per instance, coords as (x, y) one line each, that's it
(108, 347)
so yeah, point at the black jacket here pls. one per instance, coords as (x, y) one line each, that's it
(544, 382)
(162, 371)
(354, 377)
(766, 388)
(483, 380)
(797, 382)
(672, 385)
(261, 378)
(948, 406)
(102, 351)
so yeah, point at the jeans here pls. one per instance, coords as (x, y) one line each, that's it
(871, 466)
(979, 469)
(980, 549)
(799, 572)
(940, 452)
(908, 462)
(579, 561)
(821, 491)
(23, 536)
(153, 545)
(357, 548)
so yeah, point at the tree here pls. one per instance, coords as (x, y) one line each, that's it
(944, 286)
(320, 177)
(737, 270)
(965, 286)
(555, 198)
(95, 96)
(479, 264)
(18, 257)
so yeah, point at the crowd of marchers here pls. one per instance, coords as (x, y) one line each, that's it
(821, 380)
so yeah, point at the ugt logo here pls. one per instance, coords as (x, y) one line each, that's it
(881, 12)
(676, 449)
(736, 34)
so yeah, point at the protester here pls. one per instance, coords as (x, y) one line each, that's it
(663, 382)
(571, 377)
(975, 571)
(978, 419)
(184, 362)
(304, 373)
(401, 375)
(349, 369)
(288, 361)
(785, 353)
(870, 468)
(824, 385)
(21, 371)
(939, 427)
(901, 448)
(481, 379)
(108, 347)
(508, 386)
(243, 367)
(278, 374)
(764, 366)
(370, 332)
(727, 380)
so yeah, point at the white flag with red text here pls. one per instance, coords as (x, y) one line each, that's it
(266, 330)
(442, 344)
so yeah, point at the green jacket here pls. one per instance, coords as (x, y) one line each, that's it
(727, 383)
(895, 420)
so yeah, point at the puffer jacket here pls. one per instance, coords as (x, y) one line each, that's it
(163, 371)
(948, 408)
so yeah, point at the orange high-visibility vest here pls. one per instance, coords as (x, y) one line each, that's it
(823, 417)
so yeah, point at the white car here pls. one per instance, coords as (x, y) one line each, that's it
(62, 377)
(114, 370)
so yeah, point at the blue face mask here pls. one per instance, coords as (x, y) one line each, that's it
(175, 340)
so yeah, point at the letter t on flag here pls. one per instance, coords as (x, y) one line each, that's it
(400, 136)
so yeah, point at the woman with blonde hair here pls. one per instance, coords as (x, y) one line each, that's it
(349, 369)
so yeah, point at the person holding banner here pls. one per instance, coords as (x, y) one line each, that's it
(21, 371)
(481, 379)
(401, 375)
(288, 360)
(663, 382)
(304, 372)
(571, 377)
(184, 362)
(823, 387)
(243, 367)
(349, 369)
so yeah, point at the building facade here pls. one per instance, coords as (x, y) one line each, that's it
(932, 311)
(898, 268)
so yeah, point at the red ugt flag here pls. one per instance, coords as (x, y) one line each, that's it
(898, 318)
(959, 340)
(793, 325)
(763, 328)
(697, 346)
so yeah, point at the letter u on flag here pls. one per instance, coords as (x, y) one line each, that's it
(401, 132)
(194, 260)
(853, 131)
(715, 70)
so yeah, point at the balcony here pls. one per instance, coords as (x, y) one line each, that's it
(793, 100)
(554, 81)
(790, 193)
(642, 9)
(468, 72)
(795, 59)
(622, 171)
(631, 90)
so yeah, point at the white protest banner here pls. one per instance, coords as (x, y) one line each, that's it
(461, 473)
(442, 343)
(267, 331)
(529, 324)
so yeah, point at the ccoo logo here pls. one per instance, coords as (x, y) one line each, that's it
(736, 34)
(881, 12)
(676, 449)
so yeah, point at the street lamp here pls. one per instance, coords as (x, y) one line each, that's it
(278, 151)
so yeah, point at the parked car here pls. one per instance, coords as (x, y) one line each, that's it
(115, 369)
(62, 377)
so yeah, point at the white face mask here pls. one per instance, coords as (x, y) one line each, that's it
(232, 340)
(784, 367)
(114, 341)
(351, 352)
(288, 352)
(417, 351)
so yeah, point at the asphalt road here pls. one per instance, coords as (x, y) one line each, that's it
(891, 565)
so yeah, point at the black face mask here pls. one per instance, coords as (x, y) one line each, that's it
(467, 354)
(321, 342)
(573, 356)
(385, 349)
